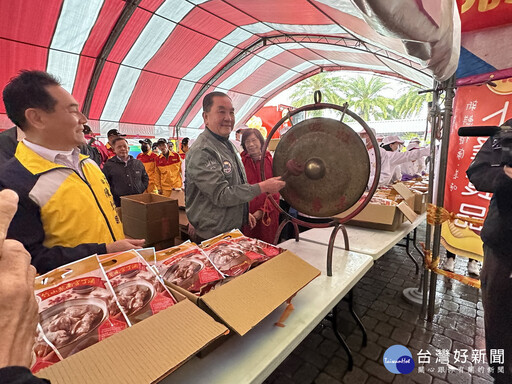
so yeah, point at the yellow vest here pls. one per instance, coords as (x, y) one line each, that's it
(73, 210)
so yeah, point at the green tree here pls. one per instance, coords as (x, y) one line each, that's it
(364, 94)
(365, 97)
(408, 104)
(324, 82)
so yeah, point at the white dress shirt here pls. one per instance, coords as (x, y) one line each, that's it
(70, 159)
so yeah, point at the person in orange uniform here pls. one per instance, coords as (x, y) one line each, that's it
(184, 148)
(149, 159)
(169, 168)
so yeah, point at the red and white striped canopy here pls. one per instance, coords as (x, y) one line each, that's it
(143, 66)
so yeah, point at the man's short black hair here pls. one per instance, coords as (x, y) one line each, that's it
(28, 90)
(208, 100)
(118, 139)
(184, 141)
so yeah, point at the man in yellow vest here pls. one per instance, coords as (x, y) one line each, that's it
(169, 168)
(149, 159)
(66, 211)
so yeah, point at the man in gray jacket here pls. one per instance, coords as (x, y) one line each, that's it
(216, 189)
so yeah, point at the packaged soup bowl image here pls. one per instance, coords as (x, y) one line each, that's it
(77, 308)
(138, 289)
(228, 258)
(256, 250)
(186, 266)
(233, 253)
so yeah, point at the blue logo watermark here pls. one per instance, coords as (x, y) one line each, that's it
(398, 359)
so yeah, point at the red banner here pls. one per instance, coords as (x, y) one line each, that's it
(480, 14)
(474, 105)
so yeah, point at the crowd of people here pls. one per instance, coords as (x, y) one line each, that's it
(395, 164)
(61, 187)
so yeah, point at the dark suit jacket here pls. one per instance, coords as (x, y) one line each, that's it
(8, 143)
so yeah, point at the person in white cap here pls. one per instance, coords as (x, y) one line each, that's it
(393, 144)
(389, 160)
(413, 168)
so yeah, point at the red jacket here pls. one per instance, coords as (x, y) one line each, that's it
(100, 146)
(261, 231)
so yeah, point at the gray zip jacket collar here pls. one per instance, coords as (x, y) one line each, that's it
(216, 189)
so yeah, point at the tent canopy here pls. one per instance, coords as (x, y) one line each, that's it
(143, 66)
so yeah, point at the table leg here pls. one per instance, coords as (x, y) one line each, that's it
(416, 245)
(350, 300)
(408, 251)
(333, 318)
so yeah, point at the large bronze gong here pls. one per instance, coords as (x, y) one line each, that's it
(325, 165)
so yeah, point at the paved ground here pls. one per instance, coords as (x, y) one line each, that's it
(389, 320)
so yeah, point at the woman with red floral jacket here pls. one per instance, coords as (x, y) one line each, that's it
(266, 214)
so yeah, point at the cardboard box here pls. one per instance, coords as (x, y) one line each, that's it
(246, 300)
(385, 217)
(180, 196)
(420, 202)
(144, 353)
(183, 219)
(272, 145)
(420, 190)
(149, 216)
(159, 245)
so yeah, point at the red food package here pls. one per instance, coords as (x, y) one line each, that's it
(43, 353)
(227, 256)
(138, 289)
(186, 266)
(77, 308)
(256, 250)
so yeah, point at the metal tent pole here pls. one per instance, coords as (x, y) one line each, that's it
(441, 180)
(434, 114)
(419, 295)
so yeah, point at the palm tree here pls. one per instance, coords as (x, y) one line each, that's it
(365, 97)
(409, 104)
(329, 85)
(363, 94)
